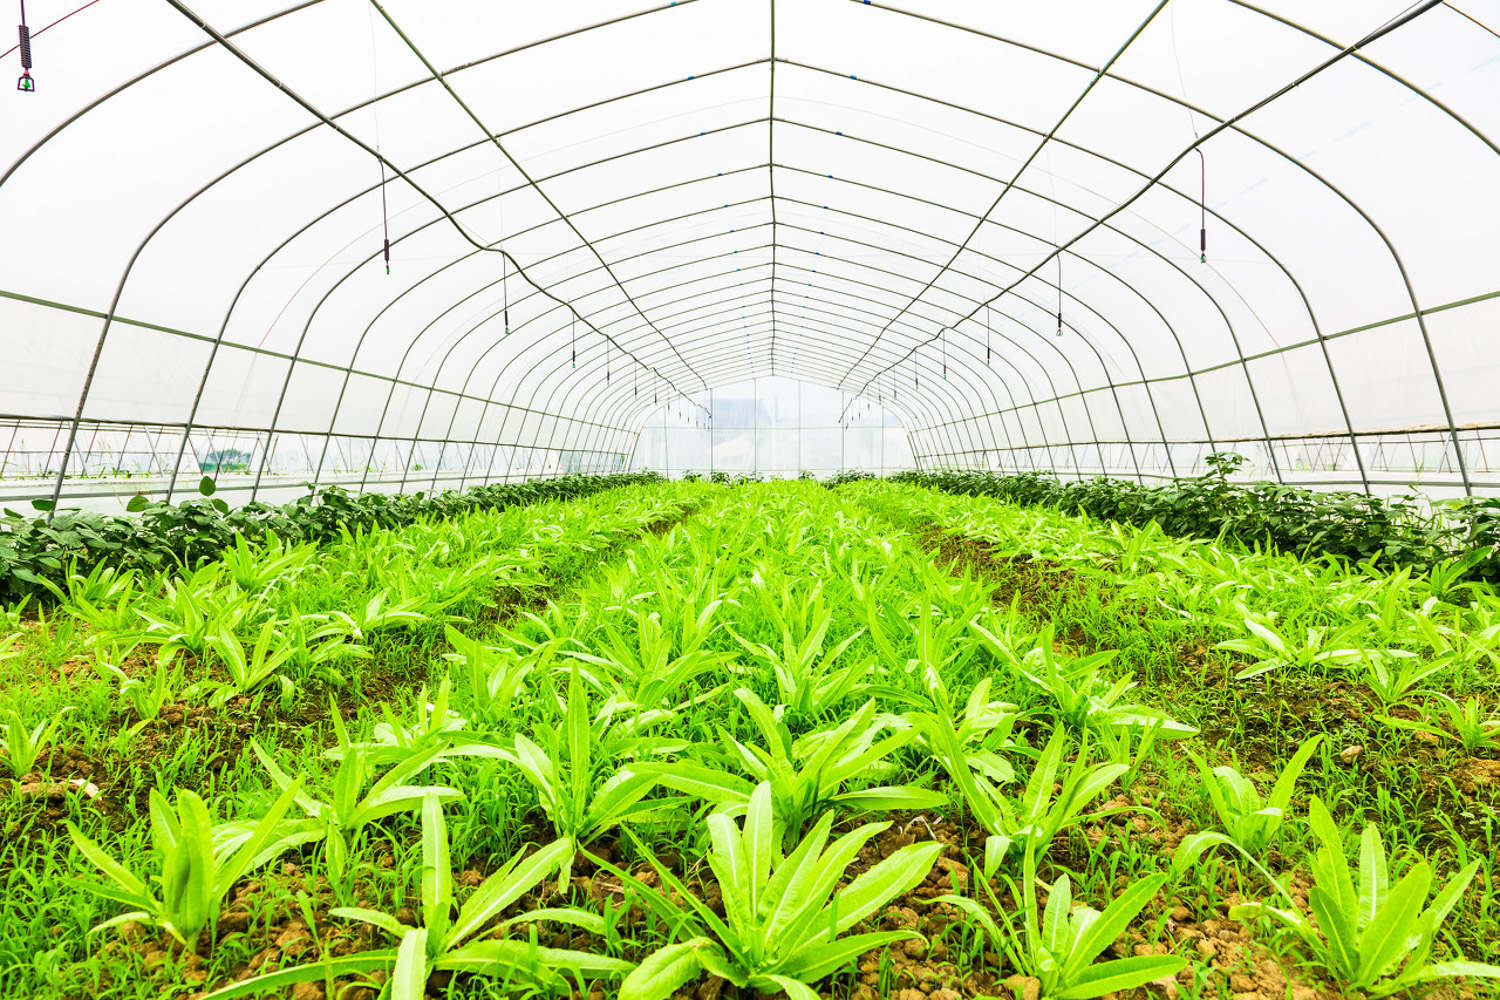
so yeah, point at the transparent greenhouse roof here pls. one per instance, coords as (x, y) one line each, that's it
(1079, 237)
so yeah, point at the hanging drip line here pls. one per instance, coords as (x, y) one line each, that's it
(504, 257)
(1202, 160)
(1202, 204)
(385, 216)
(1059, 295)
(385, 221)
(25, 83)
(1056, 237)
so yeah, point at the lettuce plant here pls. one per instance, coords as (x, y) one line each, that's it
(783, 925)
(1373, 933)
(197, 865)
(807, 775)
(1061, 945)
(457, 942)
(24, 746)
(1249, 819)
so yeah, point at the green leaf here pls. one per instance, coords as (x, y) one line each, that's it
(409, 979)
(206, 486)
(1193, 847)
(1384, 940)
(664, 970)
(338, 966)
(1111, 923)
(1121, 974)
(134, 505)
(812, 964)
(1339, 930)
(506, 886)
(899, 873)
(760, 843)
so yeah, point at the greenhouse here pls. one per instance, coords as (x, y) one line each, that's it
(712, 500)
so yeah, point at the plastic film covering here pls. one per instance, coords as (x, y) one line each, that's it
(403, 245)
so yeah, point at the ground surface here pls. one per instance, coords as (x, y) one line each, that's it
(666, 613)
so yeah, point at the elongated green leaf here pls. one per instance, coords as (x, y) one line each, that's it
(1373, 878)
(733, 871)
(812, 964)
(664, 970)
(898, 873)
(760, 844)
(409, 978)
(1056, 917)
(1384, 940)
(376, 918)
(502, 958)
(794, 988)
(1339, 930)
(437, 873)
(892, 797)
(1341, 885)
(506, 886)
(1193, 846)
(1449, 970)
(1111, 924)
(787, 895)
(336, 966)
(704, 782)
(583, 919)
(1120, 974)
(134, 887)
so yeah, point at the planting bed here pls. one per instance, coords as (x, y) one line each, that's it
(704, 741)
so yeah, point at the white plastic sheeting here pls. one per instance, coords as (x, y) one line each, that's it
(981, 217)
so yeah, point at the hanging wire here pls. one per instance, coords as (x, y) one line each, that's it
(942, 337)
(25, 83)
(988, 319)
(573, 340)
(1202, 160)
(1059, 295)
(385, 221)
(1202, 204)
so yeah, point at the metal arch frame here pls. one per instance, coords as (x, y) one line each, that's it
(711, 292)
(1007, 186)
(223, 41)
(771, 171)
(1231, 123)
(1137, 241)
(909, 277)
(1125, 340)
(558, 384)
(658, 222)
(1070, 208)
(1418, 313)
(494, 140)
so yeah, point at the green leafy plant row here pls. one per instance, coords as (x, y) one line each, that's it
(157, 536)
(1456, 536)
